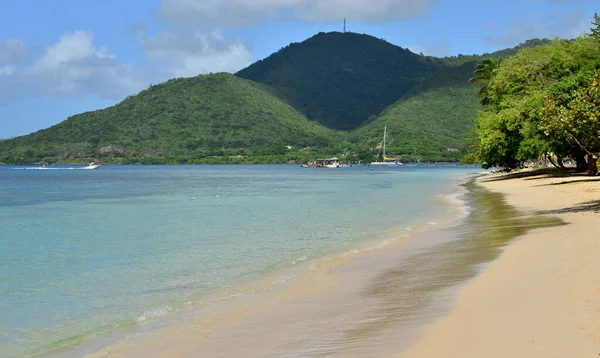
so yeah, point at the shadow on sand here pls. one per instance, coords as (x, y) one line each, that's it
(537, 174)
(597, 180)
(588, 206)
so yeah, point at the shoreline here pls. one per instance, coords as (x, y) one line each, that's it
(371, 302)
(368, 301)
(254, 293)
(359, 304)
(541, 297)
(406, 164)
(359, 294)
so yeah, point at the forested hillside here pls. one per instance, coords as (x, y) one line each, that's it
(341, 79)
(330, 95)
(431, 123)
(185, 120)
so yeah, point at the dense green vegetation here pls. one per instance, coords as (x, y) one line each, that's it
(342, 80)
(212, 118)
(430, 123)
(543, 100)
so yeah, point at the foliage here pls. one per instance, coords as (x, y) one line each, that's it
(596, 27)
(484, 71)
(578, 116)
(534, 97)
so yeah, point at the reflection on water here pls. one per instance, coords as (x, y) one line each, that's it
(381, 299)
(403, 293)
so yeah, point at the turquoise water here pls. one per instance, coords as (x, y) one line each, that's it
(86, 252)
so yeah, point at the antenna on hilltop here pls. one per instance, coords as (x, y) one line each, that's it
(344, 25)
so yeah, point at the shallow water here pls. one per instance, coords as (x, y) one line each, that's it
(375, 305)
(87, 254)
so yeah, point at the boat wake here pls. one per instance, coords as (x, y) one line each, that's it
(40, 168)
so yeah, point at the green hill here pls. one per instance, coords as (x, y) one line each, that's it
(341, 79)
(430, 123)
(181, 120)
(434, 120)
(273, 108)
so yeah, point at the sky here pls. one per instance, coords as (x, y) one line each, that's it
(63, 57)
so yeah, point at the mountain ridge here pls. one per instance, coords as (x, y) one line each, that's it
(230, 119)
(356, 66)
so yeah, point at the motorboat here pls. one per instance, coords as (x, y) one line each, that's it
(93, 165)
(330, 163)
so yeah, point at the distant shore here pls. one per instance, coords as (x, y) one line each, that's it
(541, 298)
(218, 161)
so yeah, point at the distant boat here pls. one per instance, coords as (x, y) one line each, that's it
(328, 163)
(331, 163)
(384, 163)
(92, 165)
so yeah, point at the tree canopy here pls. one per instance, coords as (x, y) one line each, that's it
(542, 100)
(578, 115)
(595, 30)
(484, 71)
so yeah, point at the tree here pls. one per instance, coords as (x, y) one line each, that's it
(579, 117)
(596, 28)
(511, 129)
(484, 71)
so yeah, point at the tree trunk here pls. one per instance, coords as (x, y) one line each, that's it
(560, 162)
(552, 161)
(592, 168)
(582, 164)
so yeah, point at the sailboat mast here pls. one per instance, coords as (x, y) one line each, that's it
(384, 134)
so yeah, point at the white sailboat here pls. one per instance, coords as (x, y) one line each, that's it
(384, 163)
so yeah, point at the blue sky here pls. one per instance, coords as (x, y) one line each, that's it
(62, 57)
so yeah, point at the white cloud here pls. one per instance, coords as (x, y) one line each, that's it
(565, 24)
(12, 53)
(71, 48)
(73, 66)
(185, 54)
(244, 12)
(7, 70)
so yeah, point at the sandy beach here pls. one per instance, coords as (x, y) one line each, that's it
(541, 297)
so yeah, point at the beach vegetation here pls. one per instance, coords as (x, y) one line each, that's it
(542, 101)
(484, 73)
(595, 30)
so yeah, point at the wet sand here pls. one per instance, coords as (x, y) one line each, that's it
(541, 298)
(374, 303)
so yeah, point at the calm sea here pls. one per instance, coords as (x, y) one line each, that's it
(86, 253)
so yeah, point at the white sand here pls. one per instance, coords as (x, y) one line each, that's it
(541, 298)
